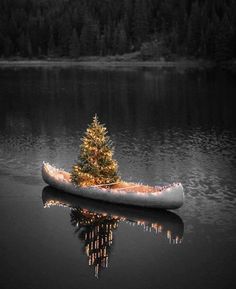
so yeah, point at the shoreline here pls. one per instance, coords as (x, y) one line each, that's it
(105, 63)
(118, 62)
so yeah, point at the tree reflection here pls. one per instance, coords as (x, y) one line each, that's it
(96, 231)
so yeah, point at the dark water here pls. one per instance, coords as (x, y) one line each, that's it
(167, 126)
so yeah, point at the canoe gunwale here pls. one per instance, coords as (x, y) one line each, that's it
(170, 197)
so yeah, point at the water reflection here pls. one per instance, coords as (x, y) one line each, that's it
(95, 223)
(96, 231)
(157, 98)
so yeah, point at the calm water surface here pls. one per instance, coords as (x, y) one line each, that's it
(167, 126)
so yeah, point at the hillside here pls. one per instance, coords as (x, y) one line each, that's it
(75, 28)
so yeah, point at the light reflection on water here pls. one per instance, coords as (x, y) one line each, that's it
(166, 126)
(95, 222)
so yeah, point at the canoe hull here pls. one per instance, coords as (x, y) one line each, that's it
(171, 197)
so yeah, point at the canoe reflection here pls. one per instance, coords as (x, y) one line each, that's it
(95, 221)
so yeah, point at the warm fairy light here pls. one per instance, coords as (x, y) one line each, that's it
(168, 234)
(158, 229)
(51, 203)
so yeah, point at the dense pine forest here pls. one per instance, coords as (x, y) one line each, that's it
(156, 28)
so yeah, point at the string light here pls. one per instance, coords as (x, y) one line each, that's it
(96, 164)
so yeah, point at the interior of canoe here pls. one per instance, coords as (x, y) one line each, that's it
(127, 186)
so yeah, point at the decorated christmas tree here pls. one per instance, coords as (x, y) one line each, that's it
(95, 164)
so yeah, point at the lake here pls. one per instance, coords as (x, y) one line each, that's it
(167, 126)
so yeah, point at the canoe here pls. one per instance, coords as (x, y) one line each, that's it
(164, 197)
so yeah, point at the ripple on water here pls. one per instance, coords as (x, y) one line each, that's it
(202, 160)
(28, 180)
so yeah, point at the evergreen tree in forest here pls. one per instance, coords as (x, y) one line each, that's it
(140, 21)
(13, 28)
(108, 39)
(44, 35)
(209, 40)
(74, 44)
(128, 18)
(195, 27)
(173, 40)
(29, 47)
(224, 41)
(95, 165)
(89, 40)
(33, 30)
(194, 30)
(24, 45)
(51, 44)
(181, 27)
(102, 46)
(167, 15)
(122, 39)
(21, 44)
(115, 41)
(64, 31)
(1, 45)
(119, 40)
(8, 47)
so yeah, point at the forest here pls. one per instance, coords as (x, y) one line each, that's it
(158, 28)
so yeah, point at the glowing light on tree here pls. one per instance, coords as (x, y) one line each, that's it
(95, 164)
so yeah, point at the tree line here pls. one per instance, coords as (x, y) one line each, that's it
(73, 28)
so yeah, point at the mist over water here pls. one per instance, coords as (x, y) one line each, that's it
(167, 126)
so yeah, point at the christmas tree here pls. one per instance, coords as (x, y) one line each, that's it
(95, 165)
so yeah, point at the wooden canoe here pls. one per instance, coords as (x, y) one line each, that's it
(165, 197)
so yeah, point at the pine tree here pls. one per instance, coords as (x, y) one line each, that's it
(89, 40)
(29, 47)
(8, 47)
(21, 44)
(167, 14)
(74, 44)
(194, 30)
(224, 41)
(1, 44)
(95, 165)
(211, 31)
(51, 45)
(108, 39)
(140, 21)
(189, 23)
(182, 27)
(115, 41)
(102, 46)
(65, 31)
(122, 37)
